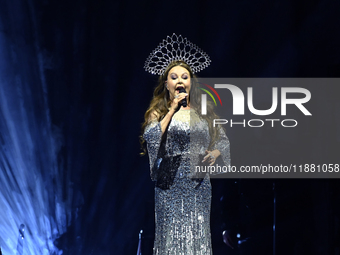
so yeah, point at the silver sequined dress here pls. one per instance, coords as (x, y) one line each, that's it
(182, 210)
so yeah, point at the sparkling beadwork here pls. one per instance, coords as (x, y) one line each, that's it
(182, 212)
(176, 48)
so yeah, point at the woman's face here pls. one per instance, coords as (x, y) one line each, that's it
(178, 77)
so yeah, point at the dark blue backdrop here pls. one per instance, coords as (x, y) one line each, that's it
(74, 70)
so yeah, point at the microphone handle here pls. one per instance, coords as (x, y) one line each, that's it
(184, 101)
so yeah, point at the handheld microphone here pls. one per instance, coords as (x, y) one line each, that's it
(184, 101)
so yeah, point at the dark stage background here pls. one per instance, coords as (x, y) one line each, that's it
(73, 95)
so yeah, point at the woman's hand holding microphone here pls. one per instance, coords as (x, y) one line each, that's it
(175, 106)
(177, 101)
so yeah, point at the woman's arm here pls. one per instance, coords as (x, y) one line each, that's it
(221, 148)
(174, 108)
(166, 120)
(155, 130)
(153, 136)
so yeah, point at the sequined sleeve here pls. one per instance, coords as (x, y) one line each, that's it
(223, 146)
(153, 137)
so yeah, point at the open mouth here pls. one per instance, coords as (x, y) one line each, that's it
(179, 87)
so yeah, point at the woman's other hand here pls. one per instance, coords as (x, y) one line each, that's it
(211, 156)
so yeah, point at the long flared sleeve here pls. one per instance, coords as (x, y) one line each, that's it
(223, 145)
(153, 137)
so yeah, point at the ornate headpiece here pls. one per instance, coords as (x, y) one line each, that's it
(176, 48)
